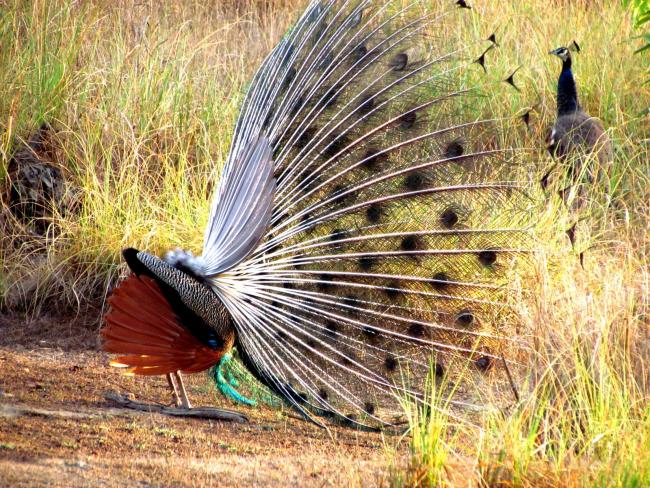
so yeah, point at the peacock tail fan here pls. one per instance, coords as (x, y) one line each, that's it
(386, 241)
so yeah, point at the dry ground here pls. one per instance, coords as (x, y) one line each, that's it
(57, 429)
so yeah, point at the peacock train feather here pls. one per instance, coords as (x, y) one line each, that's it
(365, 226)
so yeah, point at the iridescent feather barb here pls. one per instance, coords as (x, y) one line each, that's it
(364, 225)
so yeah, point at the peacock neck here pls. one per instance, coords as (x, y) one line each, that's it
(567, 93)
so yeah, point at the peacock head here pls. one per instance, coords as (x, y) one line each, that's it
(564, 53)
(561, 52)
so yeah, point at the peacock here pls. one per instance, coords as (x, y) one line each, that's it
(364, 230)
(575, 135)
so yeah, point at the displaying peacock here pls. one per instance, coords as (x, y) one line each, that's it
(363, 229)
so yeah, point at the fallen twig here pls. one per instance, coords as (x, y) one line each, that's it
(199, 412)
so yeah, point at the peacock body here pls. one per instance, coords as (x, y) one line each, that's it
(577, 140)
(363, 229)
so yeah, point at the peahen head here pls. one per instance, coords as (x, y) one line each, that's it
(562, 52)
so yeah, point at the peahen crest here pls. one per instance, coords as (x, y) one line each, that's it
(367, 219)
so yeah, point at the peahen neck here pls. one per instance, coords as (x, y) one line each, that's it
(567, 93)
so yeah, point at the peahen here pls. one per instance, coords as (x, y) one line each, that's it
(362, 231)
(576, 137)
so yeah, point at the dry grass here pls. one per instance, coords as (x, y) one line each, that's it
(143, 99)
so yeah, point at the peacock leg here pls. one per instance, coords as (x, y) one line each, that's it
(225, 385)
(172, 385)
(185, 402)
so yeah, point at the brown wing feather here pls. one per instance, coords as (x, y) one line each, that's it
(143, 328)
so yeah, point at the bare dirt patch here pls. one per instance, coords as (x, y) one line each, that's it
(57, 428)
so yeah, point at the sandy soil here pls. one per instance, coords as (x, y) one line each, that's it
(57, 428)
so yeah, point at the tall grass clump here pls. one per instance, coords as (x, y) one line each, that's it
(141, 100)
(583, 417)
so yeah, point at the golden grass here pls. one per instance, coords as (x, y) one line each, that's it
(583, 417)
(144, 97)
